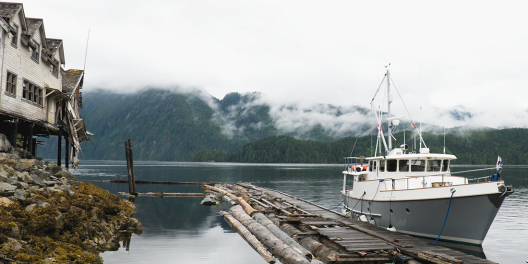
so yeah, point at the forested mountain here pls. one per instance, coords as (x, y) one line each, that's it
(171, 124)
(178, 125)
(477, 147)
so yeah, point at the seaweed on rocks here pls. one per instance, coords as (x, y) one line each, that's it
(48, 216)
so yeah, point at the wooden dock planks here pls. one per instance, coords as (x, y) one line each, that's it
(355, 236)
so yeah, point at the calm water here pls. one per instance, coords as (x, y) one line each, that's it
(181, 230)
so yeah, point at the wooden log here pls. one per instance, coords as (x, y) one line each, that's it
(263, 220)
(319, 250)
(164, 194)
(220, 191)
(251, 239)
(158, 182)
(249, 210)
(284, 252)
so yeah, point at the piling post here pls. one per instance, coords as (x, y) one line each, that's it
(59, 149)
(67, 156)
(130, 167)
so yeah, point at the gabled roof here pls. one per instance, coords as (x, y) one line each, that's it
(71, 79)
(52, 46)
(34, 24)
(8, 10)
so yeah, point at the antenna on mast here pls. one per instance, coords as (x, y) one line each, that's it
(86, 52)
(444, 140)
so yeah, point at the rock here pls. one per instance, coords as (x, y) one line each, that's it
(3, 175)
(24, 153)
(19, 194)
(12, 180)
(30, 207)
(12, 244)
(9, 169)
(36, 179)
(59, 221)
(43, 175)
(52, 168)
(6, 187)
(5, 146)
(25, 164)
(4, 201)
(50, 183)
(49, 260)
(23, 185)
(52, 189)
(25, 177)
(64, 174)
(42, 203)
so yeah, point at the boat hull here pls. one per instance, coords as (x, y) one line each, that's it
(468, 221)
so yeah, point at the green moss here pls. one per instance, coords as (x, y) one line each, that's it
(63, 229)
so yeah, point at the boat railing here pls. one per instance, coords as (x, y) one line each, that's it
(439, 180)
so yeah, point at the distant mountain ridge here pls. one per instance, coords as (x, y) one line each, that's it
(176, 124)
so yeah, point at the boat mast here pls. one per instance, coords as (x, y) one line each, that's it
(389, 101)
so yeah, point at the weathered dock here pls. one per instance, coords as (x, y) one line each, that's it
(331, 237)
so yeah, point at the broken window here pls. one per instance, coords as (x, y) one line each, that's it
(35, 52)
(11, 83)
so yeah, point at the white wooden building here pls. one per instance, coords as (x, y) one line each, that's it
(33, 101)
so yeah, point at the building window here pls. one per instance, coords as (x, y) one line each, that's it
(32, 93)
(14, 40)
(55, 71)
(11, 83)
(35, 52)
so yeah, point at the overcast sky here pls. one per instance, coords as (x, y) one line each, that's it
(468, 56)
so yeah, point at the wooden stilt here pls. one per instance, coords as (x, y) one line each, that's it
(59, 148)
(67, 156)
(14, 132)
(30, 139)
(34, 148)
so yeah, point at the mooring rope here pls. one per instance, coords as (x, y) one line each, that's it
(447, 214)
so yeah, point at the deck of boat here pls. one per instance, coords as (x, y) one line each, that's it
(356, 238)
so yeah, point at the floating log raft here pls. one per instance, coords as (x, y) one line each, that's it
(157, 182)
(327, 235)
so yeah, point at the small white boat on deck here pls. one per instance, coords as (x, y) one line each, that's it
(417, 194)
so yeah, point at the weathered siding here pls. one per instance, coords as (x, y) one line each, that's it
(18, 61)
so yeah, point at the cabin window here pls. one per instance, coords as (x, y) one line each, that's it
(11, 83)
(32, 93)
(372, 166)
(392, 165)
(14, 40)
(35, 52)
(434, 165)
(404, 165)
(382, 166)
(445, 165)
(417, 165)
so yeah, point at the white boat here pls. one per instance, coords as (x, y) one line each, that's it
(415, 192)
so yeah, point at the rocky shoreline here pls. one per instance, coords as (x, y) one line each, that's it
(48, 216)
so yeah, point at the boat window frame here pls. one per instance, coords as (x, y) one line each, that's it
(395, 167)
(399, 165)
(382, 165)
(430, 167)
(423, 163)
(445, 168)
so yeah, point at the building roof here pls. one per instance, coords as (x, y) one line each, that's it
(71, 79)
(33, 24)
(8, 10)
